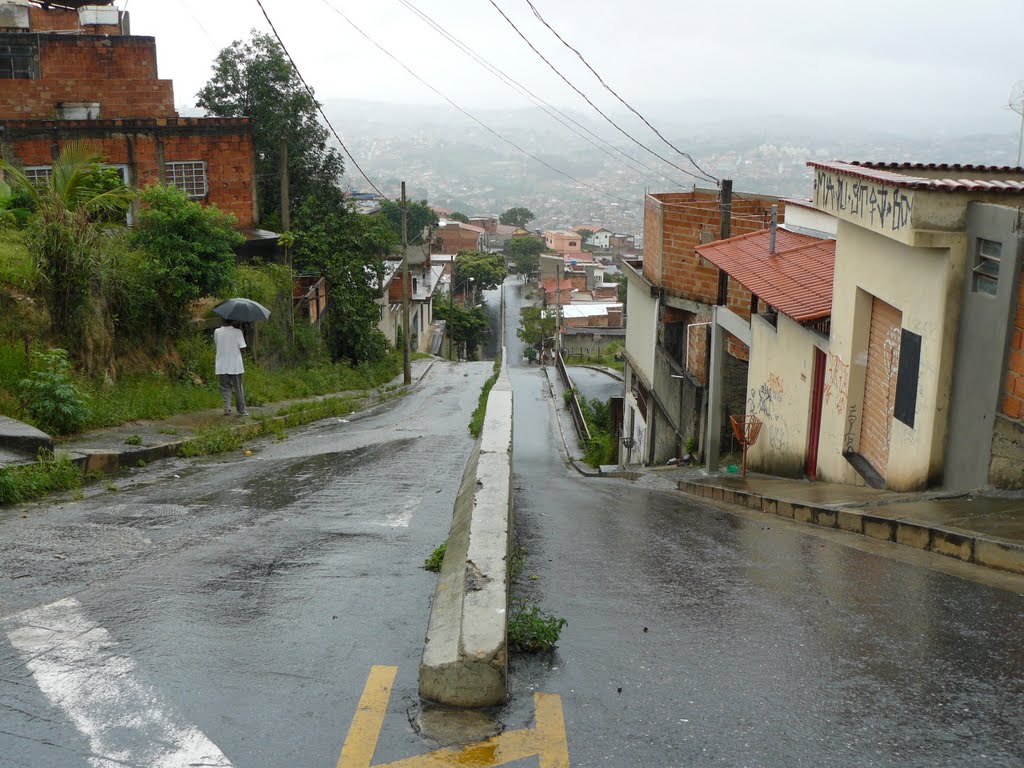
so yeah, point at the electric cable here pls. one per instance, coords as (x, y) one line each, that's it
(540, 103)
(319, 108)
(597, 109)
(471, 116)
(612, 91)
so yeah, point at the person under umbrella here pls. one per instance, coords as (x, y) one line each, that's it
(229, 366)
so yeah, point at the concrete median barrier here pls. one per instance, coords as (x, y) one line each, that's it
(465, 655)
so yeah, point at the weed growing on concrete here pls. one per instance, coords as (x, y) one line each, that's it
(213, 440)
(112, 488)
(516, 563)
(476, 423)
(530, 629)
(168, 431)
(48, 475)
(433, 563)
(133, 440)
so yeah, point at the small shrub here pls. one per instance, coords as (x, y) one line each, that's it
(433, 563)
(516, 563)
(133, 440)
(50, 396)
(530, 629)
(476, 422)
(140, 463)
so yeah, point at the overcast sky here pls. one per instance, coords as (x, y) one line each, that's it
(890, 63)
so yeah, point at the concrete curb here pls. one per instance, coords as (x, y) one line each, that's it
(110, 461)
(969, 546)
(465, 653)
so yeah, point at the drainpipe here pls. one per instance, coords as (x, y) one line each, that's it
(775, 226)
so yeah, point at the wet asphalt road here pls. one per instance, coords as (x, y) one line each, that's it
(239, 606)
(700, 638)
(244, 598)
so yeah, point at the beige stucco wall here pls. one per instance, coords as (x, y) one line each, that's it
(641, 325)
(922, 283)
(779, 382)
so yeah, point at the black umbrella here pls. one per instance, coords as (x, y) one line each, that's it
(242, 310)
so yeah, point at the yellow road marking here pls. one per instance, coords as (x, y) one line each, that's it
(547, 739)
(361, 741)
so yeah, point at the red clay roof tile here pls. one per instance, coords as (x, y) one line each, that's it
(796, 279)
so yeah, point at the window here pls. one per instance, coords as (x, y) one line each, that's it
(986, 266)
(38, 174)
(572, 243)
(17, 60)
(188, 176)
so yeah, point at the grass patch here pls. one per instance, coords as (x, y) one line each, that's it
(433, 563)
(476, 421)
(49, 474)
(133, 440)
(516, 564)
(530, 629)
(16, 267)
(213, 440)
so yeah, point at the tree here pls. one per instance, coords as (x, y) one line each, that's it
(620, 280)
(585, 234)
(73, 210)
(348, 249)
(419, 216)
(488, 270)
(535, 325)
(255, 79)
(191, 247)
(524, 253)
(470, 325)
(456, 216)
(517, 217)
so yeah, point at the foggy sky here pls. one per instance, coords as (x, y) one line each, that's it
(893, 64)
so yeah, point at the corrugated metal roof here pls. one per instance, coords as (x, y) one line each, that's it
(796, 279)
(883, 174)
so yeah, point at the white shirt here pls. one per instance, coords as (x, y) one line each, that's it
(230, 343)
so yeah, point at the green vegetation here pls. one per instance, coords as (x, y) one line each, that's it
(433, 563)
(255, 79)
(600, 449)
(418, 214)
(535, 325)
(517, 217)
(530, 629)
(487, 270)
(469, 325)
(524, 253)
(133, 440)
(476, 422)
(49, 474)
(50, 397)
(516, 563)
(608, 361)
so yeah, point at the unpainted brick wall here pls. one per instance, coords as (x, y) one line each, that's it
(1013, 401)
(60, 20)
(227, 152)
(117, 72)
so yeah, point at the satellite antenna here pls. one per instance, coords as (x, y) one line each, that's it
(1017, 105)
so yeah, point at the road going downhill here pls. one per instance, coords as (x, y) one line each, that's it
(697, 637)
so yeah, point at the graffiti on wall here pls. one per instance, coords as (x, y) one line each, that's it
(877, 205)
(848, 435)
(765, 402)
(837, 383)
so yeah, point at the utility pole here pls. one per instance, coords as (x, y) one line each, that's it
(558, 310)
(286, 225)
(406, 330)
(725, 231)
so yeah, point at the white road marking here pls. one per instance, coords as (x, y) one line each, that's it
(76, 665)
(403, 517)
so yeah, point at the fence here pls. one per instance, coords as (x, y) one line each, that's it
(574, 403)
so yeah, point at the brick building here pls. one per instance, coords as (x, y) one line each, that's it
(72, 71)
(453, 236)
(671, 292)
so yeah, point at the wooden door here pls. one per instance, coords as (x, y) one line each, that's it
(880, 384)
(817, 402)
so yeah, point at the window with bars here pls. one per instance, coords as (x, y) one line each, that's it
(189, 176)
(987, 255)
(17, 60)
(37, 174)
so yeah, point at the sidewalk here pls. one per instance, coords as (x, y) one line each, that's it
(985, 528)
(107, 450)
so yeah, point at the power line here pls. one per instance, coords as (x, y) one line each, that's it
(543, 105)
(472, 117)
(319, 108)
(597, 109)
(611, 90)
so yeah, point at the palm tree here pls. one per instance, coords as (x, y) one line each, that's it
(74, 207)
